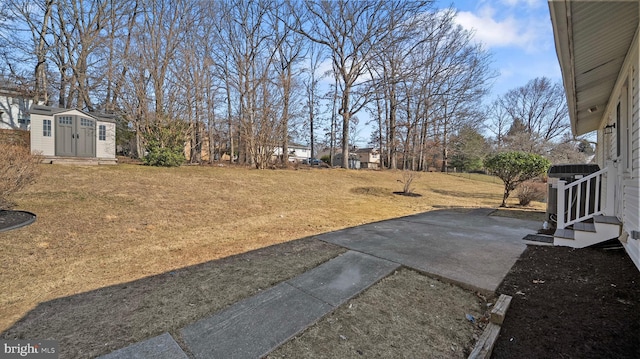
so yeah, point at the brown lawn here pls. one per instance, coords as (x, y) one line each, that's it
(106, 225)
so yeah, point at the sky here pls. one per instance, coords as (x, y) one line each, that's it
(519, 35)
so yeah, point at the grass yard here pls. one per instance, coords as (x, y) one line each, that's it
(110, 226)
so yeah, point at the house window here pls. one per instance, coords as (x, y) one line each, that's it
(102, 133)
(46, 128)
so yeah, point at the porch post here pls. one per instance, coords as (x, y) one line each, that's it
(560, 210)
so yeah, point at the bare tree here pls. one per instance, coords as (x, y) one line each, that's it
(289, 52)
(349, 31)
(315, 57)
(537, 111)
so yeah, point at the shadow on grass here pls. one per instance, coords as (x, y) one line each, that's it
(103, 320)
(520, 213)
(458, 194)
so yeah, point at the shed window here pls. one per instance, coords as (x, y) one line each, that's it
(102, 133)
(46, 128)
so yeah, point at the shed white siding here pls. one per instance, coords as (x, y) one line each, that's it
(43, 145)
(106, 148)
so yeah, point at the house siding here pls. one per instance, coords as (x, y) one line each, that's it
(628, 189)
(14, 107)
(631, 184)
(635, 133)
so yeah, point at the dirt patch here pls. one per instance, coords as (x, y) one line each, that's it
(407, 194)
(372, 191)
(531, 214)
(406, 315)
(98, 322)
(571, 303)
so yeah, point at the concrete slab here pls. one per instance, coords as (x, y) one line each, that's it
(253, 327)
(473, 251)
(160, 347)
(343, 277)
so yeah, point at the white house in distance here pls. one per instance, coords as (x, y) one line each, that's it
(369, 157)
(68, 135)
(297, 152)
(14, 109)
(597, 47)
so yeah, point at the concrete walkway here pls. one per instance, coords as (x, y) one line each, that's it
(473, 250)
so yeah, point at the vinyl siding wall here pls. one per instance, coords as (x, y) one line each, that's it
(629, 171)
(106, 148)
(45, 146)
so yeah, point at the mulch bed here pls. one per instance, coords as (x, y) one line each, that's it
(571, 303)
(15, 219)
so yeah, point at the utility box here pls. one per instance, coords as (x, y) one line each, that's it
(567, 173)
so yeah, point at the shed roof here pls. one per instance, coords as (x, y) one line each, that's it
(592, 39)
(50, 111)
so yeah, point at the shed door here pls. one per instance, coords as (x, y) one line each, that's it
(86, 137)
(75, 136)
(65, 136)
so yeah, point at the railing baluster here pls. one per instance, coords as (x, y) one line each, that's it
(570, 211)
(570, 205)
(596, 205)
(578, 201)
(587, 202)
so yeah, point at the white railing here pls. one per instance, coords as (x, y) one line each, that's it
(583, 198)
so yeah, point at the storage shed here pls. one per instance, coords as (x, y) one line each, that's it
(62, 134)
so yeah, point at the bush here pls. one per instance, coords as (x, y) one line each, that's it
(531, 191)
(163, 156)
(165, 141)
(514, 168)
(18, 169)
(407, 180)
(325, 159)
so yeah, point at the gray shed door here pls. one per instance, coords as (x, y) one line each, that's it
(75, 136)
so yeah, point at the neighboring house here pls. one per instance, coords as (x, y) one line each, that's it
(14, 109)
(354, 161)
(369, 157)
(59, 133)
(597, 47)
(297, 152)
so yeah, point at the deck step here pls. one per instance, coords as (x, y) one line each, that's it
(607, 220)
(538, 239)
(565, 233)
(584, 227)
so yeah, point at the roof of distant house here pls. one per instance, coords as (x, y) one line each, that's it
(366, 150)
